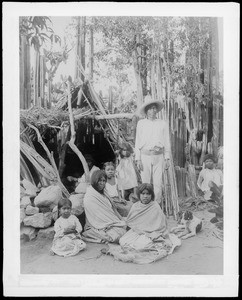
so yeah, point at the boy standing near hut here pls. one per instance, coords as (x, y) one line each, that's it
(152, 146)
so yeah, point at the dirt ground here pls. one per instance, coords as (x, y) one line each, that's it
(199, 255)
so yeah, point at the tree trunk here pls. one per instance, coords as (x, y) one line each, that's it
(78, 34)
(216, 102)
(24, 74)
(137, 70)
(91, 55)
(110, 99)
(140, 97)
(36, 83)
(80, 48)
(83, 41)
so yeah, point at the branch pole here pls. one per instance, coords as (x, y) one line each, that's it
(52, 161)
(71, 143)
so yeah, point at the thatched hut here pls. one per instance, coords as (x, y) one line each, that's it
(97, 133)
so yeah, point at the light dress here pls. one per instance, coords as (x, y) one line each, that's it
(67, 244)
(126, 175)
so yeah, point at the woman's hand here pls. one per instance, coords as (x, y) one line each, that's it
(70, 178)
(71, 229)
(167, 163)
(139, 165)
(123, 201)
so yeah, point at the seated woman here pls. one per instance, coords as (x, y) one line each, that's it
(148, 225)
(103, 222)
(146, 221)
(147, 239)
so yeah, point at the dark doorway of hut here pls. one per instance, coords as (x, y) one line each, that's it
(90, 140)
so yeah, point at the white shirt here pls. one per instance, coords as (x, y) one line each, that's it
(207, 175)
(151, 133)
(112, 190)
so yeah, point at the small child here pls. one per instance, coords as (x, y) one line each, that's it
(210, 180)
(126, 175)
(67, 240)
(111, 189)
(80, 183)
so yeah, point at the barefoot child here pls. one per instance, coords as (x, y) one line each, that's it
(67, 240)
(126, 175)
(111, 189)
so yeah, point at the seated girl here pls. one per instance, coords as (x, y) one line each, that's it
(67, 240)
(103, 222)
(111, 190)
(148, 224)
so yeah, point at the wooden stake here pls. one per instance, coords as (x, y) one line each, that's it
(71, 143)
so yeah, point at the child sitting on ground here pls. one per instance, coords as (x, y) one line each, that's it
(126, 175)
(210, 180)
(111, 189)
(67, 240)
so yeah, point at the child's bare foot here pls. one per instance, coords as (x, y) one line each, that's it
(52, 253)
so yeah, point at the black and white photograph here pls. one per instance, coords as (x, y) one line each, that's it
(120, 149)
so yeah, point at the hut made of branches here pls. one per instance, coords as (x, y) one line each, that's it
(97, 132)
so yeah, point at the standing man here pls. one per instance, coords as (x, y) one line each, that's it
(152, 146)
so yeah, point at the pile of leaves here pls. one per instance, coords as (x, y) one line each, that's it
(195, 204)
(42, 117)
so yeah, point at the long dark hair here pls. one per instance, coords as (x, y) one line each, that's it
(148, 187)
(125, 147)
(96, 176)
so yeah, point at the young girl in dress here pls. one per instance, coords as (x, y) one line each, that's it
(126, 175)
(67, 240)
(112, 190)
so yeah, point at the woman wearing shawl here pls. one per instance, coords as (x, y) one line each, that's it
(103, 222)
(148, 224)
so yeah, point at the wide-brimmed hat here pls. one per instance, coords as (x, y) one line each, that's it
(149, 101)
(210, 156)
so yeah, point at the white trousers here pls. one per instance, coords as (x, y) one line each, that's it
(153, 167)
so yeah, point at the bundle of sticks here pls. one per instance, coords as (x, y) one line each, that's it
(170, 203)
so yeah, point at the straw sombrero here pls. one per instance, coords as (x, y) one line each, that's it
(210, 156)
(149, 101)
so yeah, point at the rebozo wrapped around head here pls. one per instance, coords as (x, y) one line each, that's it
(96, 176)
(210, 156)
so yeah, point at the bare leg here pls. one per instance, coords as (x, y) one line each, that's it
(183, 233)
(188, 235)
